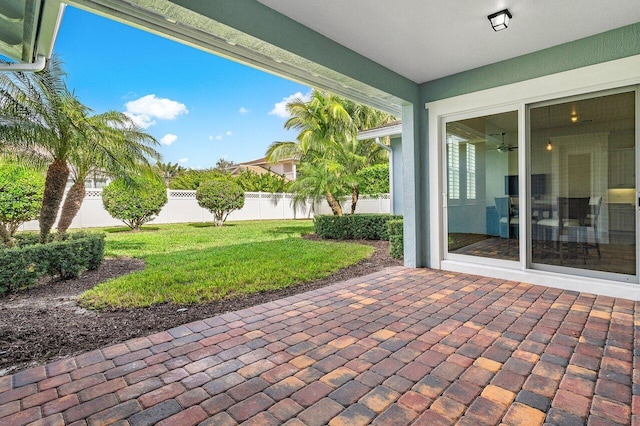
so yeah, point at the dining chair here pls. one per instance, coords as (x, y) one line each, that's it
(567, 229)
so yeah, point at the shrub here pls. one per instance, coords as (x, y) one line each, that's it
(266, 182)
(67, 259)
(332, 227)
(21, 192)
(374, 180)
(22, 266)
(136, 202)
(220, 197)
(396, 238)
(24, 239)
(191, 179)
(355, 226)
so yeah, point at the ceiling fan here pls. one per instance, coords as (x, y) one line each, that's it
(503, 147)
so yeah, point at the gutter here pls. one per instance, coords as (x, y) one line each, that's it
(382, 145)
(37, 65)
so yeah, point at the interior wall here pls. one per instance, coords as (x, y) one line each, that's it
(496, 171)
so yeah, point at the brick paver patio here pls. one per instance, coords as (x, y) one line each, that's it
(398, 347)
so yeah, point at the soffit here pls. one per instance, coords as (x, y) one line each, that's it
(27, 28)
(17, 28)
(425, 40)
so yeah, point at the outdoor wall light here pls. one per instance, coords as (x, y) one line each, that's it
(500, 20)
(549, 147)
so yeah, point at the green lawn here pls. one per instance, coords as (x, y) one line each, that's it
(195, 263)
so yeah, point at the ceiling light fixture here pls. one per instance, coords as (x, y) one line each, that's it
(549, 147)
(500, 20)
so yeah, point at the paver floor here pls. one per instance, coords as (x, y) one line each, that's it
(399, 347)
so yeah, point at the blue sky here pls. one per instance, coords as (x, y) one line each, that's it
(201, 106)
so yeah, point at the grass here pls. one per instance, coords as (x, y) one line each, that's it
(191, 263)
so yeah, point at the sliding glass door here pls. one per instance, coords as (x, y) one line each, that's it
(482, 186)
(582, 184)
(579, 187)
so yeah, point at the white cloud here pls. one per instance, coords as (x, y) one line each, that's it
(183, 160)
(145, 110)
(168, 139)
(229, 133)
(210, 137)
(219, 137)
(141, 121)
(280, 108)
(243, 111)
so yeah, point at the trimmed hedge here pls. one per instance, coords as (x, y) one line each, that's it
(396, 238)
(31, 239)
(23, 265)
(354, 226)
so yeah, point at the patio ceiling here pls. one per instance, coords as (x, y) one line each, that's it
(372, 51)
(425, 40)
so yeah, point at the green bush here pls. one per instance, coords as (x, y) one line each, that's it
(24, 239)
(332, 227)
(396, 238)
(374, 180)
(23, 265)
(21, 192)
(355, 226)
(67, 259)
(136, 202)
(191, 179)
(266, 182)
(220, 197)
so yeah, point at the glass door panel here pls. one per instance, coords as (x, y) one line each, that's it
(482, 186)
(582, 184)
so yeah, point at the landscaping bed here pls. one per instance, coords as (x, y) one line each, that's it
(44, 323)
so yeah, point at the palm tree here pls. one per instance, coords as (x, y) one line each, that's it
(225, 166)
(317, 180)
(169, 170)
(39, 119)
(126, 151)
(42, 123)
(323, 123)
(328, 127)
(355, 154)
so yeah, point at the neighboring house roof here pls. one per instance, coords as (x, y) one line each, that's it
(258, 161)
(263, 162)
(393, 128)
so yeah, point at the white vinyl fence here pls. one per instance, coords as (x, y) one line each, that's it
(182, 207)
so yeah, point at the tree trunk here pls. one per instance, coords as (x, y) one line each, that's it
(71, 206)
(57, 175)
(5, 236)
(334, 204)
(355, 195)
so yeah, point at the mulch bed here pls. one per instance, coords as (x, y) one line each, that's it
(44, 323)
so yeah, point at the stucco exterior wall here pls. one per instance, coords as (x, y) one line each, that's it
(614, 44)
(397, 175)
